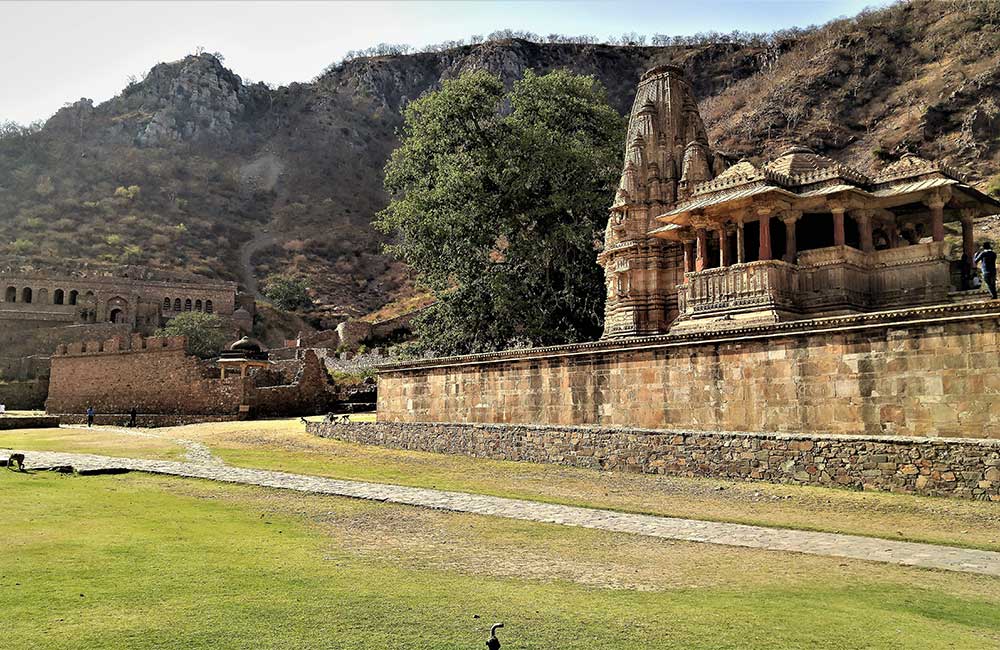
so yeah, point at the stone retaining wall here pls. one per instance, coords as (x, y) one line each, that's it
(151, 420)
(930, 466)
(9, 422)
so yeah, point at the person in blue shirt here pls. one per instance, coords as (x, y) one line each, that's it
(987, 261)
(90, 416)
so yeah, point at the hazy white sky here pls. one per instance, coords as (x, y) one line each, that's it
(52, 53)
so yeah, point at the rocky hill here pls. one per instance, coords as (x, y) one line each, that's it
(192, 168)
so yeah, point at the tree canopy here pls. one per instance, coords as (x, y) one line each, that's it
(500, 198)
(204, 332)
(287, 293)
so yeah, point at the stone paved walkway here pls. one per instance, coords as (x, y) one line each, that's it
(827, 544)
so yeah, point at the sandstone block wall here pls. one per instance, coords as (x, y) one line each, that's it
(935, 372)
(156, 375)
(167, 386)
(930, 466)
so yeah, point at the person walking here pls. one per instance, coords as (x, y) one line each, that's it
(987, 261)
(90, 416)
(132, 416)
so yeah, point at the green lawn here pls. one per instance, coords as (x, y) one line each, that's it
(138, 561)
(283, 445)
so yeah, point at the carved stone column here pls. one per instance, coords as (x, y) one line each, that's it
(764, 223)
(688, 255)
(725, 259)
(741, 256)
(864, 219)
(789, 218)
(936, 202)
(701, 258)
(838, 224)
(968, 234)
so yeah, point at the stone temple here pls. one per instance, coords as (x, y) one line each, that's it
(695, 243)
(798, 321)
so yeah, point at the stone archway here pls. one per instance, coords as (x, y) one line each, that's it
(116, 310)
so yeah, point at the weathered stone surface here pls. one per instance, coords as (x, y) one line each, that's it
(961, 467)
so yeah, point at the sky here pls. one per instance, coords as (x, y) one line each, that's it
(53, 53)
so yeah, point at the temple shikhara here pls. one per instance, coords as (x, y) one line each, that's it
(694, 242)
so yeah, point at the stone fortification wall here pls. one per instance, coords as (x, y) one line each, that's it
(155, 375)
(930, 466)
(926, 372)
(167, 386)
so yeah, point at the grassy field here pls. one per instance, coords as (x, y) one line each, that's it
(283, 445)
(138, 561)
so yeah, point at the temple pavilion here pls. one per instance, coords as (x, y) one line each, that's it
(696, 242)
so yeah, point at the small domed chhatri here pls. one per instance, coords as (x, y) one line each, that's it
(693, 243)
(241, 356)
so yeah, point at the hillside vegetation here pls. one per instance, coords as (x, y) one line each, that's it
(193, 169)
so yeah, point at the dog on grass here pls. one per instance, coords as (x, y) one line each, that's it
(16, 458)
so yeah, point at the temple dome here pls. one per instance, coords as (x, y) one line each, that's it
(742, 170)
(796, 161)
(245, 345)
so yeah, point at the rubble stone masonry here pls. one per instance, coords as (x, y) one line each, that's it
(930, 466)
(923, 372)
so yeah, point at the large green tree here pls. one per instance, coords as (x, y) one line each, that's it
(205, 332)
(499, 200)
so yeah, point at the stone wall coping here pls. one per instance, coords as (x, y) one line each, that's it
(761, 435)
(922, 316)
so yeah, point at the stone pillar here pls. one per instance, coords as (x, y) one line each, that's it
(701, 259)
(864, 218)
(689, 255)
(764, 224)
(936, 203)
(968, 234)
(724, 256)
(741, 255)
(789, 218)
(893, 231)
(838, 225)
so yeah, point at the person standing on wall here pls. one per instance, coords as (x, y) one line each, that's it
(90, 416)
(987, 261)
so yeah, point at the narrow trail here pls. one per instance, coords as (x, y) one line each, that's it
(928, 556)
(194, 451)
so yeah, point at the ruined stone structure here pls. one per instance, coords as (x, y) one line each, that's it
(36, 300)
(167, 385)
(692, 243)
(40, 311)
